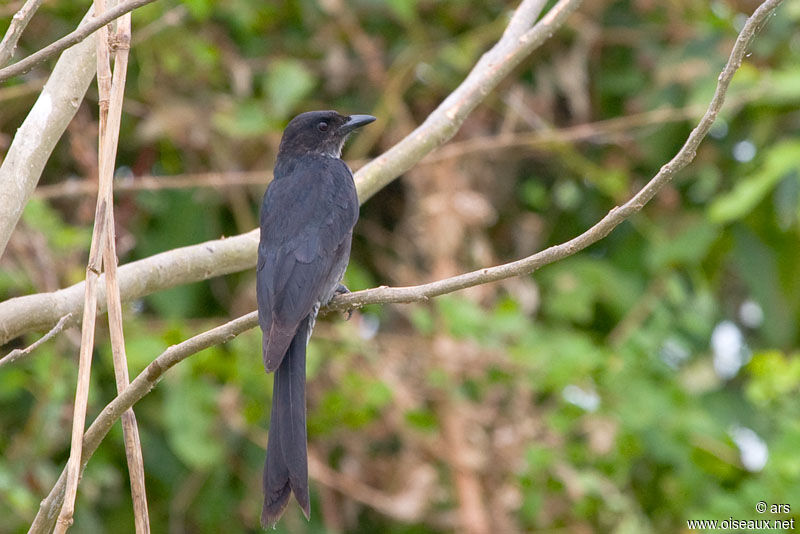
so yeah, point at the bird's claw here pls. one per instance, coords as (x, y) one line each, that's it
(341, 289)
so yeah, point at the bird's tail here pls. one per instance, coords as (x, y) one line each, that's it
(286, 468)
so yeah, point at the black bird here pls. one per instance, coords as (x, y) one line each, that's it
(307, 220)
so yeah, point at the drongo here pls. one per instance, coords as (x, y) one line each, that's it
(307, 220)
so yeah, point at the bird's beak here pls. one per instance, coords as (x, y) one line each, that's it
(356, 121)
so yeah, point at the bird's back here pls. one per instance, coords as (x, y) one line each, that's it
(307, 220)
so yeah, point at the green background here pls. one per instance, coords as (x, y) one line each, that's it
(582, 398)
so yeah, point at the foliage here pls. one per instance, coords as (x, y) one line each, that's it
(588, 397)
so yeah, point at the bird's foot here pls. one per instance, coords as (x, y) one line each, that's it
(341, 289)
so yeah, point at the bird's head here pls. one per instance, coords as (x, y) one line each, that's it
(320, 132)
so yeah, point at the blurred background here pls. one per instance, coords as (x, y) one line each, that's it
(650, 379)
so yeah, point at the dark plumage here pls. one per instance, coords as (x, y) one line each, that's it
(307, 220)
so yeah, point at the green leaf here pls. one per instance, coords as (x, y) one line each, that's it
(406, 10)
(249, 119)
(784, 87)
(422, 420)
(288, 82)
(572, 289)
(200, 9)
(774, 376)
(189, 413)
(779, 160)
(688, 247)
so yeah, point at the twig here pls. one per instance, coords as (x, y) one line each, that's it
(82, 32)
(217, 180)
(18, 23)
(592, 130)
(215, 258)
(16, 354)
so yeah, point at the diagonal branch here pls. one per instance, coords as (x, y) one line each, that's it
(16, 354)
(18, 23)
(223, 256)
(517, 42)
(148, 378)
(35, 139)
(82, 32)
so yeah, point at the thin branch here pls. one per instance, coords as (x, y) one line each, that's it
(217, 180)
(136, 279)
(82, 32)
(16, 354)
(84, 368)
(18, 23)
(219, 257)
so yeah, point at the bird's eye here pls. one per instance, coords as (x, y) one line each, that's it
(322, 126)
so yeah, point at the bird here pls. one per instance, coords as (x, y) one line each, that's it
(307, 218)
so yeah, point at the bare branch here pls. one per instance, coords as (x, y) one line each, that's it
(194, 263)
(82, 32)
(217, 180)
(16, 354)
(109, 139)
(35, 139)
(136, 279)
(18, 23)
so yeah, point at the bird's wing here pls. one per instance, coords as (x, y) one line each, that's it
(306, 226)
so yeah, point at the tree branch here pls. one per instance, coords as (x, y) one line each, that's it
(16, 354)
(218, 180)
(136, 279)
(18, 23)
(84, 30)
(42, 128)
(214, 258)
(517, 42)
